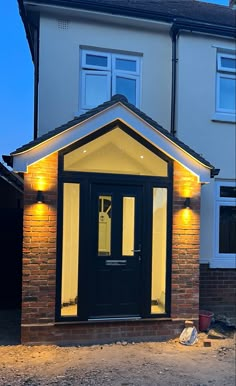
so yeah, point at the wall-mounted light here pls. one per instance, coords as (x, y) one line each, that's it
(40, 197)
(187, 203)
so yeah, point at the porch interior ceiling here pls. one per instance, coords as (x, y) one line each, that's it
(128, 156)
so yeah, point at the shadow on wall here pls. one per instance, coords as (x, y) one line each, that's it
(9, 327)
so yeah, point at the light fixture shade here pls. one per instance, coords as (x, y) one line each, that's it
(40, 197)
(187, 203)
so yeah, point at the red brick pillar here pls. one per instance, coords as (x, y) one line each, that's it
(39, 244)
(185, 245)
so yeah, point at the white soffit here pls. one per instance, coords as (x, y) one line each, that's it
(118, 111)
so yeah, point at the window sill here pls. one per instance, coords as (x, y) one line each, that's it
(221, 117)
(123, 320)
(226, 263)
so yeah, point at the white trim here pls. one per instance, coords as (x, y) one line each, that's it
(94, 123)
(223, 263)
(132, 58)
(223, 117)
(110, 71)
(223, 72)
(225, 48)
(222, 260)
(84, 65)
(221, 56)
(218, 77)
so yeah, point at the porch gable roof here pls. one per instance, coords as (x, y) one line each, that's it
(115, 110)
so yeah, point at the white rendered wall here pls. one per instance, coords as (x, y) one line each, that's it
(59, 67)
(215, 141)
(196, 67)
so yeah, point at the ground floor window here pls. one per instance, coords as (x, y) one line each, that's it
(225, 239)
(159, 236)
(70, 249)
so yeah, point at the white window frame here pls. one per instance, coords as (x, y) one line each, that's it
(222, 68)
(110, 71)
(224, 72)
(84, 65)
(222, 260)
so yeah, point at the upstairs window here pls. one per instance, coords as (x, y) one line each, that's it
(226, 83)
(105, 74)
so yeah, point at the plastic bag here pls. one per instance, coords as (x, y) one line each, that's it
(188, 336)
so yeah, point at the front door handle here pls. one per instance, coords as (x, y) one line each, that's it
(136, 250)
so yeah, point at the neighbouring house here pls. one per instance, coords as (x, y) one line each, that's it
(129, 183)
(11, 225)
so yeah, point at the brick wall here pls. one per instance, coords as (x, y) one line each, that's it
(39, 267)
(92, 333)
(218, 291)
(39, 242)
(185, 248)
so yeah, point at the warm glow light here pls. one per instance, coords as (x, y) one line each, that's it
(142, 156)
(186, 216)
(41, 183)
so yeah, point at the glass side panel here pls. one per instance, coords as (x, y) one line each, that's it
(96, 89)
(228, 191)
(96, 60)
(159, 234)
(104, 225)
(227, 229)
(118, 153)
(227, 93)
(128, 226)
(70, 249)
(126, 87)
(126, 65)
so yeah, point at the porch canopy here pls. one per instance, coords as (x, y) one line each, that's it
(114, 112)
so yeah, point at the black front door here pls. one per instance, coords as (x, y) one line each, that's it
(115, 251)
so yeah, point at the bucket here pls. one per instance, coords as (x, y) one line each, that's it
(205, 320)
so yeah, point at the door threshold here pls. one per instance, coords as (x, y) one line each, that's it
(104, 319)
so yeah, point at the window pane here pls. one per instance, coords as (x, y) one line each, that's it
(128, 226)
(96, 90)
(126, 64)
(227, 93)
(70, 250)
(227, 229)
(159, 235)
(126, 87)
(228, 63)
(96, 60)
(104, 226)
(228, 191)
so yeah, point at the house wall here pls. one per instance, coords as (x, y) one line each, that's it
(39, 267)
(196, 124)
(60, 61)
(196, 96)
(218, 293)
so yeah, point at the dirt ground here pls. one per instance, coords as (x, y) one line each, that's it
(121, 364)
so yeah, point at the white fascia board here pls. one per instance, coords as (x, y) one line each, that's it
(99, 16)
(118, 111)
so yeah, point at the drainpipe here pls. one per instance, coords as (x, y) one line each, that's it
(173, 34)
(36, 80)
